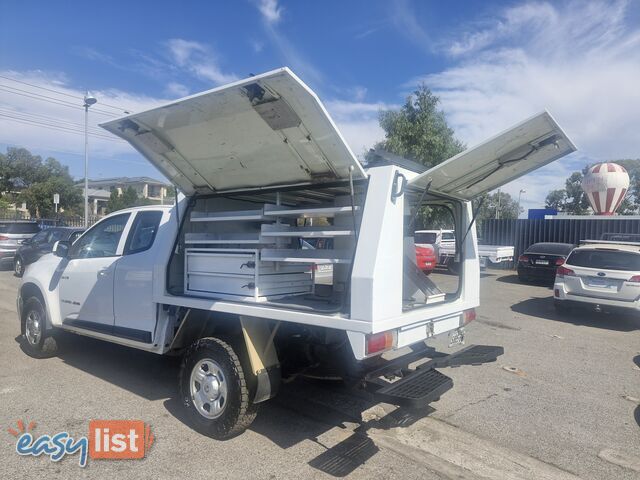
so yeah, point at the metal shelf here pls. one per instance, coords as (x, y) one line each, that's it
(304, 255)
(309, 212)
(305, 232)
(230, 216)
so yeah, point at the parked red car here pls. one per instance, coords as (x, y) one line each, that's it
(426, 258)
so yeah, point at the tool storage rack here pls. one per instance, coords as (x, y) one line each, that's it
(261, 264)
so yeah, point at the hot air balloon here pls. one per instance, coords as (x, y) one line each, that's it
(605, 185)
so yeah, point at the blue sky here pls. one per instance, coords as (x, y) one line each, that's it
(492, 63)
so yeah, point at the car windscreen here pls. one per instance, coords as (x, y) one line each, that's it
(19, 228)
(605, 259)
(550, 248)
(425, 237)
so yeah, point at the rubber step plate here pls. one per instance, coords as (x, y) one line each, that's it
(473, 355)
(417, 389)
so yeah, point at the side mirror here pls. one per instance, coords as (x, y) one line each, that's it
(26, 241)
(61, 248)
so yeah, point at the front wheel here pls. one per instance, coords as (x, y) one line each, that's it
(18, 267)
(36, 341)
(214, 391)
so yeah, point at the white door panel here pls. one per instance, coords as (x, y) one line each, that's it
(86, 290)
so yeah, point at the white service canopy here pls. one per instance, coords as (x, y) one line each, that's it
(499, 160)
(267, 130)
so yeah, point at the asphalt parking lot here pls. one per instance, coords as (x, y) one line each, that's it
(563, 402)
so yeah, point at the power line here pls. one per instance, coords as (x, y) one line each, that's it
(45, 98)
(56, 127)
(37, 117)
(69, 152)
(62, 93)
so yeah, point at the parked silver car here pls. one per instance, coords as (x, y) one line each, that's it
(600, 274)
(12, 234)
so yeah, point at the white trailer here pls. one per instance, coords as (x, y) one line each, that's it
(222, 278)
(488, 254)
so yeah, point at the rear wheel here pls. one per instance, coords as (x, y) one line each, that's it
(36, 341)
(214, 389)
(18, 266)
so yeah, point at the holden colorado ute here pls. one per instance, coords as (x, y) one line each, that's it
(221, 278)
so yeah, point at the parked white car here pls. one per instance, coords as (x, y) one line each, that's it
(221, 277)
(599, 274)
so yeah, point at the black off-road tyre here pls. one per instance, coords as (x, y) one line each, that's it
(43, 345)
(239, 412)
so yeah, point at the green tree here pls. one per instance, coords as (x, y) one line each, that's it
(39, 196)
(577, 202)
(419, 130)
(25, 177)
(556, 199)
(502, 202)
(129, 198)
(19, 169)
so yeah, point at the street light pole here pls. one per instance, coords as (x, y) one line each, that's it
(88, 101)
(520, 195)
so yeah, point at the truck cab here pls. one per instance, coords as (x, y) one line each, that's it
(226, 278)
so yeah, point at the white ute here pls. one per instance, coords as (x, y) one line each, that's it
(222, 277)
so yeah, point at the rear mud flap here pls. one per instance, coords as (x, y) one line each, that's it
(417, 388)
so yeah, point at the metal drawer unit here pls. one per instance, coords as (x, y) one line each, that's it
(240, 275)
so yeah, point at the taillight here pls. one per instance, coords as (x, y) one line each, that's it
(634, 279)
(380, 342)
(523, 258)
(563, 271)
(559, 261)
(2, 237)
(468, 316)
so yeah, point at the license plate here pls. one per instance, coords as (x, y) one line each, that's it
(600, 283)
(542, 262)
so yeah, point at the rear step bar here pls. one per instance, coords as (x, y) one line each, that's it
(417, 388)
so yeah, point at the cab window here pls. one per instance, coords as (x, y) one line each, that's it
(102, 239)
(143, 232)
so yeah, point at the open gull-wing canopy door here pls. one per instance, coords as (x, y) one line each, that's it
(267, 130)
(501, 159)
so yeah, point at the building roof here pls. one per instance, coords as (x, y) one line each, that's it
(98, 193)
(126, 181)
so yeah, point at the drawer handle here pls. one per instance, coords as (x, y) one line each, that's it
(249, 264)
(249, 285)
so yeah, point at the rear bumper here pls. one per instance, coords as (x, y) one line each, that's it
(7, 253)
(419, 387)
(537, 273)
(607, 304)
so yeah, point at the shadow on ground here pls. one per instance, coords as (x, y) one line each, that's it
(542, 307)
(514, 280)
(304, 410)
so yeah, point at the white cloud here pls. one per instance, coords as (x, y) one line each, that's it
(270, 10)
(358, 122)
(257, 45)
(53, 121)
(581, 61)
(198, 59)
(175, 89)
